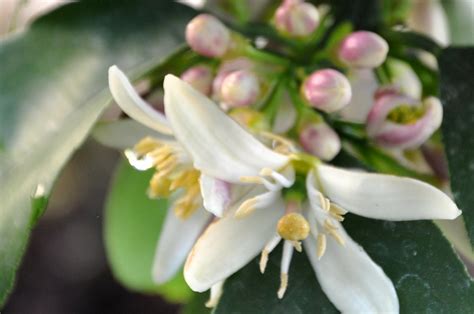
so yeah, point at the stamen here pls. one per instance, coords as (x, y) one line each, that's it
(140, 164)
(285, 266)
(259, 201)
(283, 285)
(145, 146)
(321, 242)
(266, 251)
(297, 246)
(286, 143)
(159, 186)
(251, 179)
(278, 177)
(337, 237)
(246, 208)
(216, 293)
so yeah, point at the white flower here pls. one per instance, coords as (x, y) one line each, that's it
(239, 176)
(221, 149)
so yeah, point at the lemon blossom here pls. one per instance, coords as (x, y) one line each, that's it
(175, 176)
(221, 149)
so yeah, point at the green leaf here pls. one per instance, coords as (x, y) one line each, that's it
(420, 262)
(457, 96)
(53, 87)
(132, 229)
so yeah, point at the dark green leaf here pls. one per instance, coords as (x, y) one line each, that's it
(457, 96)
(53, 87)
(250, 292)
(426, 273)
(132, 229)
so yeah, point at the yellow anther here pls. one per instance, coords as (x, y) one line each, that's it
(246, 208)
(159, 186)
(293, 227)
(337, 210)
(183, 208)
(297, 246)
(266, 172)
(145, 146)
(337, 237)
(329, 225)
(283, 285)
(321, 245)
(251, 179)
(263, 261)
(185, 179)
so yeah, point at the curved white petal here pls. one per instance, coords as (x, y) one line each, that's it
(215, 193)
(385, 196)
(132, 104)
(349, 277)
(220, 147)
(176, 240)
(125, 133)
(229, 244)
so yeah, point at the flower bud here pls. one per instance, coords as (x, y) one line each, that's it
(240, 88)
(296, 18)
(207, 36)
(200, 77)
(320, 140)
(398, 121)
(327, 90)
(363, 50)
(225, 69)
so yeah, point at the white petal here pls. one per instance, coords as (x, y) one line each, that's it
(229, 244)
(220, 147)
(133, 105)
(350, 279)
(216, 194)
(125, 133)
(385, 196)
(176, 240)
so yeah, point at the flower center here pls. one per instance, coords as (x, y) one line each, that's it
(174, 173)
(293, 227)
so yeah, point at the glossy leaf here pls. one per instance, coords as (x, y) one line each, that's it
(53, 87)
(132, 229)
(457, 96)
(420, 262)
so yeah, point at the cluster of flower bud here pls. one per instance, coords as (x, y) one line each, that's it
(403, 122)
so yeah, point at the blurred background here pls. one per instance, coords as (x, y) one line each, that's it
(65, 269)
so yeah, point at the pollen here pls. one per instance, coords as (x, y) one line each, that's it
(293, 227)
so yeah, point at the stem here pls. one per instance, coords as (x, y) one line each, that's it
(261, 55)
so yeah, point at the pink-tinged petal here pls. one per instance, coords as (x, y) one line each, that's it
(216, 194)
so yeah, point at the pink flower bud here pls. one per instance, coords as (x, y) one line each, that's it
(296, 18)
(200, 77)
(206, 35)
(327, 90)
(240, 88)
(225, 69)
(363, 50)
(398, 121)
(320, 140)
